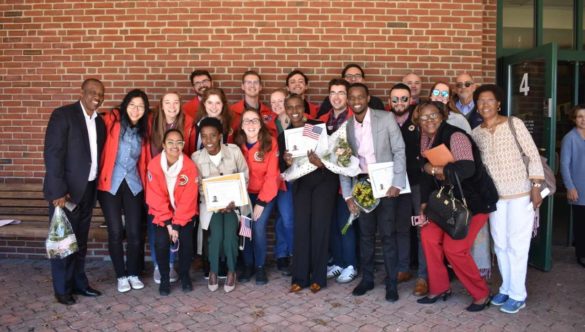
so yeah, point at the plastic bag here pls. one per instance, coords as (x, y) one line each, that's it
(61, 241)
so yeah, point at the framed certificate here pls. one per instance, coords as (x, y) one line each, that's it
(219, 191)
(381, 175)
(300, 140)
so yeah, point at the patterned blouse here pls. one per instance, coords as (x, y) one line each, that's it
(504, 161)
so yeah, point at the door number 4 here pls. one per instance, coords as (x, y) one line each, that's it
(524, 88)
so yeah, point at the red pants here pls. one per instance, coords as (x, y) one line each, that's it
(437, 245)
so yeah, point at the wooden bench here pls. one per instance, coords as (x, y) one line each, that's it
(25, 202)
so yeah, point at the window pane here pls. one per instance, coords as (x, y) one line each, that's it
(557, 22)
(518, 24)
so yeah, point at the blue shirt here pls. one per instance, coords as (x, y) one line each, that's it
(126, 160)
(573, 163)
(465, 109)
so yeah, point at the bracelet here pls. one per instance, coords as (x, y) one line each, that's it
(536, 184)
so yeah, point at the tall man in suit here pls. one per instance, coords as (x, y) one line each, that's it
(374, 137)
(73, 143)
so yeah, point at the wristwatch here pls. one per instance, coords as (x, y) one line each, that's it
(536, 184)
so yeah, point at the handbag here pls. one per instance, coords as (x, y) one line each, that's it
(448, 212)
(550, 181)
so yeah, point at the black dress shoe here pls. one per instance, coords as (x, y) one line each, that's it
(428, 300)
(479, 307)
(362, 288)
(246, 274)
(89, 292)
(261, 278)
(186, 284)
(165, 287)
(391, 294)
(65, 299)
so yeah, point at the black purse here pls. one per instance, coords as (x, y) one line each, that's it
(448, 212)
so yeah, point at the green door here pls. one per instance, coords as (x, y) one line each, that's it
(530, 79)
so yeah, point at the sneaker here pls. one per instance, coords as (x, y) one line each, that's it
(333, 271)
(156, 275)
(123, 285)
(347, 275)
(499, 299)
(135, 282)
(512, 306)
(173, 276)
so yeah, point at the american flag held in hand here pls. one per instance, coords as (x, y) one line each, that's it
(246, 227)
(312, 131)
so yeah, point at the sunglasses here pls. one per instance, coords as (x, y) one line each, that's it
(461, 84)
(429, 117)
(403, 99)
(443, 94)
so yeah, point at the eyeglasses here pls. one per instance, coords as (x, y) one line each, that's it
(443, 94)
(134, 106)
(429, 117)
(353, 76)
(251, 122)
(175, 143)
(204, 82)
(461, 84)
(486, 102)
(403, 99)
(338, 93)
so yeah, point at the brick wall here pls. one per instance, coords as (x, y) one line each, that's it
(50, 46)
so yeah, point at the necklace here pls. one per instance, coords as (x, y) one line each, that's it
(492, 128)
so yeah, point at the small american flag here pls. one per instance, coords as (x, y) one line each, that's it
(246, 227)
(312, 131)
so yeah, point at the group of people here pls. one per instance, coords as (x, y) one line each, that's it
(147, 165)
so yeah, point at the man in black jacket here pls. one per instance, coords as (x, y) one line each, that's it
(73, 143)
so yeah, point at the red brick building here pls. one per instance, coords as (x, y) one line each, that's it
(49, 47)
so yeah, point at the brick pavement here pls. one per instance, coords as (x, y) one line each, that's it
(556, 303)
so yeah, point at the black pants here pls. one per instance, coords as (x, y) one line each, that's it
(403, 213)
(69, 273)
(162, 244)
(132, 206)
(314, 201)
(382, 219)
(579, 229)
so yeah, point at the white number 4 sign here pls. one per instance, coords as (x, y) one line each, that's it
(524, 88)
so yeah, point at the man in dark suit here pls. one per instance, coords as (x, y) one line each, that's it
(73, 143)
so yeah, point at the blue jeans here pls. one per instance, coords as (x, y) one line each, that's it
(149, 219)
(284, 223)
(255, 250)
(343, 247)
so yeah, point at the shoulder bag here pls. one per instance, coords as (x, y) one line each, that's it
(448, 212)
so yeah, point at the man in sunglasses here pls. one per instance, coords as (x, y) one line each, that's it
(408, 205)
(464, 88)
(352, 73)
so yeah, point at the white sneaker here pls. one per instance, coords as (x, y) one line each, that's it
(123, 285)
(135, 282)
(333, 271)
(347, 275)
(173, 276)
(156, 275)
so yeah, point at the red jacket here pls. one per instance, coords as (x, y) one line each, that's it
(265, 112)
(190, 108)
(325, 117)
(313, 110)
(264, 173)
(189, 135)
(186, 194)
(108, 159)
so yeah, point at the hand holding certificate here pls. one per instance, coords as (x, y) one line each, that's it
(381, 175)
(220, 191)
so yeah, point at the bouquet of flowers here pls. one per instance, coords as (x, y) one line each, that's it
(343, 153)
(363, 196)
(61, 241)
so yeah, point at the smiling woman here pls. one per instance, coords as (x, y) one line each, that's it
(121, 182)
